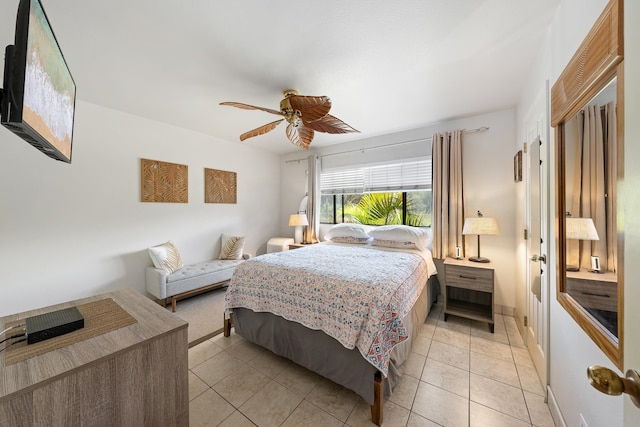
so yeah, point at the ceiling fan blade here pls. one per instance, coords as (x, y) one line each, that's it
(251, 107)
(312, 107)
(261, 130)
(331, 124)
(300, 135)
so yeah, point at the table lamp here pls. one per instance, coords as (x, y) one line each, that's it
(298, 221)
(480, 226)
(582, 229)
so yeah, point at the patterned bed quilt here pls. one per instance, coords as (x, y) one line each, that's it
(357, 294)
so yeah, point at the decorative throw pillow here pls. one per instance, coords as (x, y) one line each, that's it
(166, 257)
(401, 233)
(231, 247)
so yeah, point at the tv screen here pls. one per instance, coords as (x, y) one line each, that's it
(39, 94)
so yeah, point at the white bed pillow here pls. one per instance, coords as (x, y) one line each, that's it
(400, 235)
(166, 257)
(232, 247)
(347, 230)
(428, 232)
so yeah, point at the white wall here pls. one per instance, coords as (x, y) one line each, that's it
(534, 98)
(70, 231)
(488, 180)
(571, 350)
(489, 187)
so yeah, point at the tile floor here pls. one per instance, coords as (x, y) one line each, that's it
(459, 374)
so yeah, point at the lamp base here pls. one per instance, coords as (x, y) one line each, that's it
(479, 259)
(573, 268)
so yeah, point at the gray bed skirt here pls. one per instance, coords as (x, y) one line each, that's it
(324, 355)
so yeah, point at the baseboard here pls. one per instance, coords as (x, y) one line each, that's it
(519, 323)
(554, 409)
(504, 310)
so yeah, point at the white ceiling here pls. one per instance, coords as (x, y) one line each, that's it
(386, 65)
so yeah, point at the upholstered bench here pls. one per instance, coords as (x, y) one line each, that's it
(189, 280)
(169, 278)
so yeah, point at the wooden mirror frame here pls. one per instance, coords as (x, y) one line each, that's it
(598, 60)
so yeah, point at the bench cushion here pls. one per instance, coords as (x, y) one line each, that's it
(190, 277)
(201, 269)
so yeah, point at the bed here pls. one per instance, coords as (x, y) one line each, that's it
(347, 311)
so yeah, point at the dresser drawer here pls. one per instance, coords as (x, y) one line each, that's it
(469, 278)
(596, 294)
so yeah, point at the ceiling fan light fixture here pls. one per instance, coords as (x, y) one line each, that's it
(292, 119)
(304, 115)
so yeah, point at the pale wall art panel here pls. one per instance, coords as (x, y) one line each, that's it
(164, 182)
(220, 186)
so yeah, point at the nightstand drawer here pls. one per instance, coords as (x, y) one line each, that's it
(299, 245)
(596, 294)
(470, 278)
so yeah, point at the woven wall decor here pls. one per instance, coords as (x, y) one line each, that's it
(219, 186)
(164, 182)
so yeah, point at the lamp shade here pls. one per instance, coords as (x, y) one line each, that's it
(298, 220)
(480, 226)
(581, 229)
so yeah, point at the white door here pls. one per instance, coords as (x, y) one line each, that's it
(632, 220)
(631, 296)
(537, 224)
(538, 284)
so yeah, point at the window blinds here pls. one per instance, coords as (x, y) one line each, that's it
(405, 176)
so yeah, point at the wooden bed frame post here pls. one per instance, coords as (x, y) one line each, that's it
(227, 324)
(376, 408)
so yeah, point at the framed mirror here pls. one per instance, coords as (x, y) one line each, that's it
(587, 108)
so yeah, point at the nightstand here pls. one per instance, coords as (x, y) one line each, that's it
(593, 290)
(469, 290)
(299, 245)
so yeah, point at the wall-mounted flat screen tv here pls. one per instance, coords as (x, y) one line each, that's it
(39, 93)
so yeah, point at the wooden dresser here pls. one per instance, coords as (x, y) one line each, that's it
(132, 376)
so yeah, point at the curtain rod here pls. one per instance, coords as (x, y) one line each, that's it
(429, 138)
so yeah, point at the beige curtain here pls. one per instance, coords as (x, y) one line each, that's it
(448, 201)
(594, 180)
(313, 200)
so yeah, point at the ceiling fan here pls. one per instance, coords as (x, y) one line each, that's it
(305, 115)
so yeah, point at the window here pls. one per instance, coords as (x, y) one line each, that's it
(398, 193)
